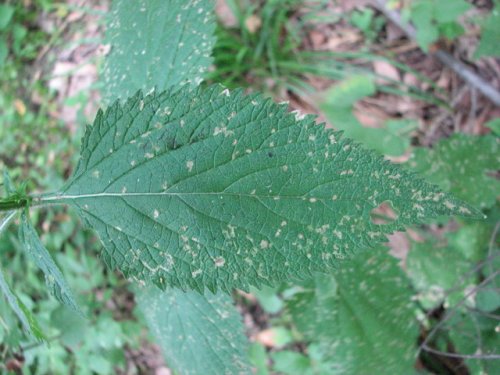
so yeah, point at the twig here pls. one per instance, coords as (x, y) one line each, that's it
(458, 67)
(461, 356)
(450, 314)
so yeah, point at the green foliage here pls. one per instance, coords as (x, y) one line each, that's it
(463, 165)
(262, 51)
(391, 139)
(159, 224)
(157, 44)
(27, 320)
(39, 254)
(476, 335)
(434, 19)
(199, 334)
(367, 22)
(490, 33)
(362, 316)
(434, 270)
(90, 345)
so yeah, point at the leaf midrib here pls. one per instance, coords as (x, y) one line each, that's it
(60, 197)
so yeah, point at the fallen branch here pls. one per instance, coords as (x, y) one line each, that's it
(457, 66)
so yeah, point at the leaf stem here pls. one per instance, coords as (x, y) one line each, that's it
(13, 203)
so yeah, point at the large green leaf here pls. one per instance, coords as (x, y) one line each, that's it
(208, 188)
(362, 316)
(157, 43)
(53, 277)
(198, 334)
(461, 165)
(211, 189)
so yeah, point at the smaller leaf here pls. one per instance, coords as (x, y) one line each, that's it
(490, 34)
(391, 139)
(6, 13)
(362, 316)
(435, 270)
(258, 357)
(462, 165)
(27, 320)
(7, 183)
(471, 335)
(53, 276)
(450, 10)
(291, 363)
(4, 51)
(494, 125)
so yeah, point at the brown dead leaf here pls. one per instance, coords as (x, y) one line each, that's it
(385, 69)
(369, 116)
(266, 338)
(253, 23)
(317, 38)
(20, 107)
(224, 13)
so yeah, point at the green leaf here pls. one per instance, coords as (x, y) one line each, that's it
(198, 334)
(338, 108)
(291, 363)
(72, 327)
(450, 10)
(471, 240)
(490, 34)
(268, 299)
(435, 269)
(258, 358)
(461, 165)
(6, 13)
(422, 16)
(362, 316)
(157, 43)
(27, 320)
(4, 51)
(208, 188)
(42, 258)
(494, 125)
(350, 90)
(8, 184)
(472, 336)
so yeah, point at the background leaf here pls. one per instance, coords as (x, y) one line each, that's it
(40, 255)
(27, 320)
(362, 316)
(460, 165)
(198, 334)
(157, 43)
(389, 139)
(490, 34)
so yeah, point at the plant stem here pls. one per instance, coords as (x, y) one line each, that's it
(14, 203)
